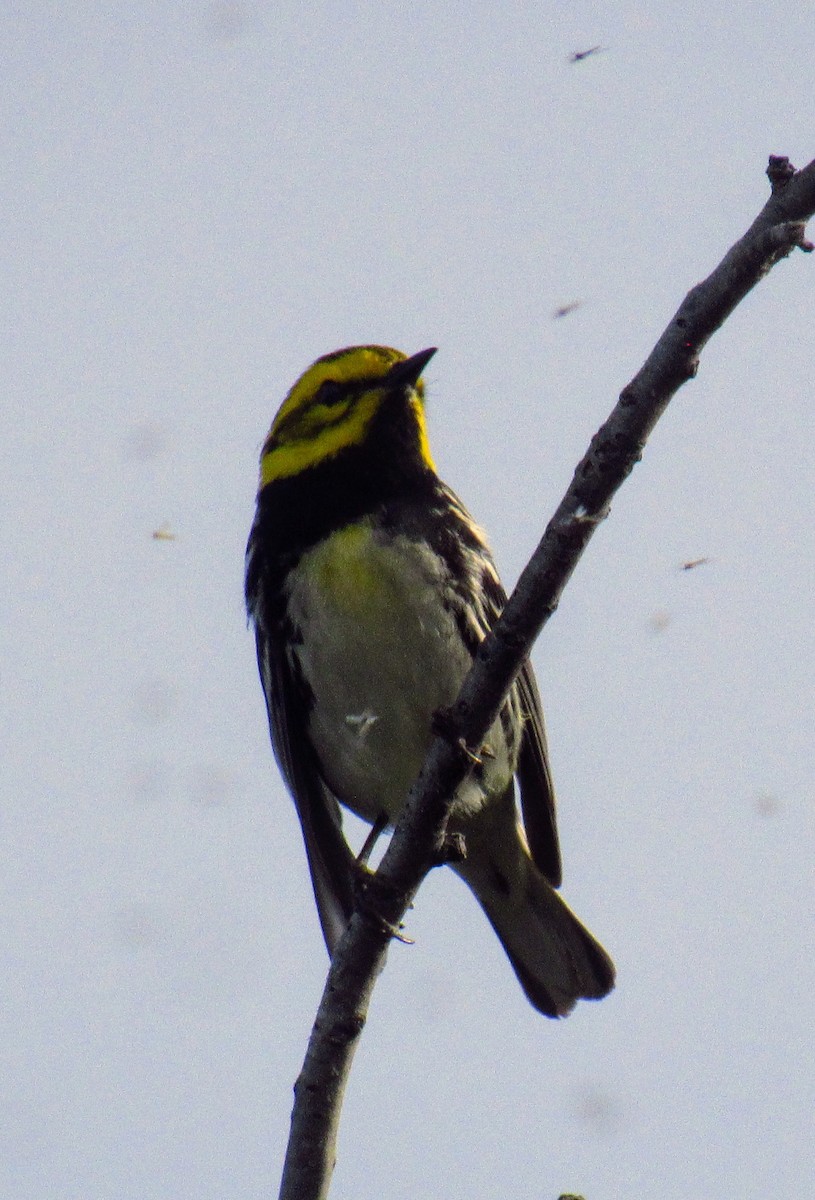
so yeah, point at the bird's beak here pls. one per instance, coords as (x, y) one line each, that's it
(407, 372)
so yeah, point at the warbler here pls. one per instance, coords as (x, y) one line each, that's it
(370, 588)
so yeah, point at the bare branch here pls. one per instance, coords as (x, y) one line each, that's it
(418, 841)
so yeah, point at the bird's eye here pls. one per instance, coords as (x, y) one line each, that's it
(329, 391)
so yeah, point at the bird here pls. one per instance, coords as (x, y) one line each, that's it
(370, 588)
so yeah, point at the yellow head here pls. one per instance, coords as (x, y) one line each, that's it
(333, 404)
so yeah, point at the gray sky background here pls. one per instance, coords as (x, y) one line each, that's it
(199, 200)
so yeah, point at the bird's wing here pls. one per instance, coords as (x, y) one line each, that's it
(534, 775)
(535, 782)
(330, 859)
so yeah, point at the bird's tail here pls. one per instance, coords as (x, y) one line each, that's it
(556, 959)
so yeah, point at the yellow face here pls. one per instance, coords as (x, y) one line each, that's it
(331, 408)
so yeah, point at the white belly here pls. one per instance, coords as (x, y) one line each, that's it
(381, 654)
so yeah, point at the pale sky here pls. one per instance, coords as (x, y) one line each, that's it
(198, 201)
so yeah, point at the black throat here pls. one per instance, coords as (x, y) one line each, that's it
(296, 512)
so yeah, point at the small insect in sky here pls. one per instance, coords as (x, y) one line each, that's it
(695, 562)
(563, 310)
(164, 534)
(578, 55)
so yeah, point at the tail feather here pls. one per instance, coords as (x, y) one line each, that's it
(556, 959)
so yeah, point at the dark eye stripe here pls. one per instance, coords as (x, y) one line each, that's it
(300, 425)
(330, 392)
